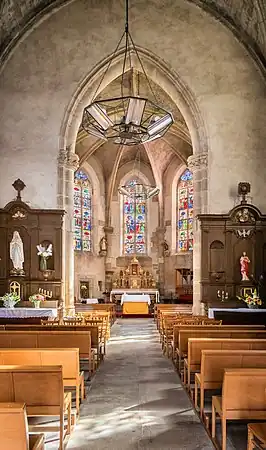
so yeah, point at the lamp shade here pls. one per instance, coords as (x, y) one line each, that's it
(126, 120)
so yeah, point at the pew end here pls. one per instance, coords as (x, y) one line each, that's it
(14, 434)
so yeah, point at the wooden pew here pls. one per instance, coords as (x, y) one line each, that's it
(213, 363)
(41, 389)
(192, 363)
(14, 433)
(256, 436)
(169, 323)
(98, 307)
(92, 330)
(68, 358)
(211, 332)
(49, 339)
(243, 398)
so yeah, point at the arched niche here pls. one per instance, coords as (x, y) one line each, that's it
(50, 260)
(217, 257)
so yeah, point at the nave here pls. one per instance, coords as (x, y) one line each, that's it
(136, 399)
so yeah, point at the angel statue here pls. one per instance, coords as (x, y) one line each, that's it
(17, 253)
(44, 253)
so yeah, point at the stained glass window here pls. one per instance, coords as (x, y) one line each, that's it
(134, 223)
(185, 212)
(82, 212)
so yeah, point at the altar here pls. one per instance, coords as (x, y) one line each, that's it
(26, 315)
(238, 316)
(136, 288)
(137, 304)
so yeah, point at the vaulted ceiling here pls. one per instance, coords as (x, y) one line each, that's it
(246, 18)
(175, 146)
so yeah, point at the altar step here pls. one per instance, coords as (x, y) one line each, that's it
(133, 316)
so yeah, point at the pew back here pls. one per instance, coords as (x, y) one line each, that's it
(14, 432)
(40, 387)
(67, 358)
(251, 404)
(195, 328)
(197, 345)
(210, 332)
(47, 339)
(93, 330)
(213, 363)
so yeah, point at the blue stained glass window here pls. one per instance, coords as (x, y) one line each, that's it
(82, 212)
(184, 238)
(134, 223)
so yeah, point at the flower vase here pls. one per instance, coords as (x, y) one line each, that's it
(37, 304)
(9, 304)
(43, 264)
(253, 306)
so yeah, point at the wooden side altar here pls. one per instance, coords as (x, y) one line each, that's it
(35, 227)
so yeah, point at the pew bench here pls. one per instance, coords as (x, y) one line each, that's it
(45, 337)
(243, 398)
(96, 352)
(14, 434)
(192, 363)
(68, 358)
(41, 389)
(213, 363)
(202, 331)
(256, 436)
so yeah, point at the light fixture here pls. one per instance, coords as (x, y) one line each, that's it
(129, 119)
(138, 190)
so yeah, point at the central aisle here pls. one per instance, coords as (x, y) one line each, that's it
(136, 400)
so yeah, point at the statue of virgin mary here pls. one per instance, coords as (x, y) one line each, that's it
(17, 252)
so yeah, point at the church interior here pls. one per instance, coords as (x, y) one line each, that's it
(132, 224)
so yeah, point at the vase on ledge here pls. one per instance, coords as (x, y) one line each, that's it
(253, 306)
(37, 304)
(43, 264)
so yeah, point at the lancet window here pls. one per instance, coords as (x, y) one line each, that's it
(134, 222)
(82, 212)
(185, 212)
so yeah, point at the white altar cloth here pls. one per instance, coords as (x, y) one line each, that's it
(90, 301)
(135, 291)
(242, 310)
(18, 313)
(137, 298)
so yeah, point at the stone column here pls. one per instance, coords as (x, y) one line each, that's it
(62, 159)
(198, 165)
(71, 165)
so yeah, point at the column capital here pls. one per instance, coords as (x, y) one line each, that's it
(62, 157)
(198, 162)
(72, 161)
(68, 159)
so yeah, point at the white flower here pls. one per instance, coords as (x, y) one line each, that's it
(45, 252)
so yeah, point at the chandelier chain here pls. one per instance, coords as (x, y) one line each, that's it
(108, 66)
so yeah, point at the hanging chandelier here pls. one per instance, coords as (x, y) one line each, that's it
(139, 190)
(128, 119)
(136, 189)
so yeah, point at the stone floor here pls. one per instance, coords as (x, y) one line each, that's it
(136, 400)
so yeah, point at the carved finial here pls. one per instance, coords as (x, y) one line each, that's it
(243, 191)
(18, 185)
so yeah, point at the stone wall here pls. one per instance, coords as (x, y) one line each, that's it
(198, 62)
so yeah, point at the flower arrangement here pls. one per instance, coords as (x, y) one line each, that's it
(36, 299)
(252, 300)
(10, 299)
